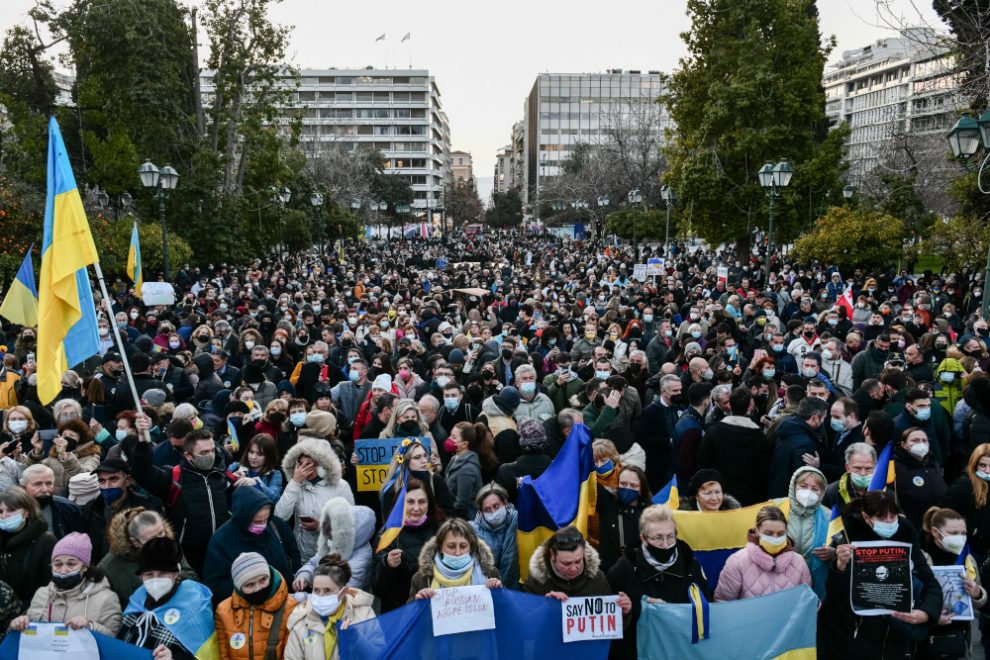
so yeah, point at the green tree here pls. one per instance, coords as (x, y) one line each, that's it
(463, 204)
(505, 211)
(748, 92)
(853, 238)
(648, 224)
(959, 241)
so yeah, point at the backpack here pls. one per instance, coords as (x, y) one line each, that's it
(175, 488)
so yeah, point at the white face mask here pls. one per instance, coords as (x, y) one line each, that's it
(954, 543)
(919, 450)
(325, 605)
(158, 587)
(806, 497)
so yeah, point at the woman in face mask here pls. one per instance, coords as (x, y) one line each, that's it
(875, 517)
(18, 424)
(256, 616)
(25, 543)
(168, 615)
(766, 564)
(944, 539)
(968, 495)
(466, 444)
(496, 523)
(313, 625)
(454, 558)
(619, 512)
(73, 452)
(807, 523)
(79, 595)
(657, 565)
(412, 460)
(919, 483)
(258, 467)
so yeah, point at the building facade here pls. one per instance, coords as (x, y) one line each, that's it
(461, 167)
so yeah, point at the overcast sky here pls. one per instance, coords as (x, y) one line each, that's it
(485, 55)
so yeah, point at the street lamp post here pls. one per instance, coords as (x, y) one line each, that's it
(316, 200)
(669, 197)
(848, 191)
(773, 178)
(634, 198)
(162, 182)
(403, 210)
(281, 198)
(602, 208)
(119, 204)
(965, 139)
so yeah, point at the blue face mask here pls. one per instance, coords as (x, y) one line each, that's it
(922, 414)
(603, 375)
(297, 419)
(778, 348)
(695, 335)
(885, 530)
(111, 495)
(458, 563)
(605, 467)
(837, 425)
(316, 358)
(627, 495)
(769, 373)
(947, 376)
(353, 375)
(731, 352)
(527, 389)
(451, 403)
(12, 523)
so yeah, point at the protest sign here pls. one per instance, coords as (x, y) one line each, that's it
(462, 609)
(654, 266)
(722, 273)
(955, 601)
(881, 578)
(639, 272)
(590, 618)
(157, 293)
(374, 456)
(55, 641)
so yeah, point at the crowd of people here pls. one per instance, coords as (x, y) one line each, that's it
(227, 500)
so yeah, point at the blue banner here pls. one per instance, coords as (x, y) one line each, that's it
(110, 648)
(374, 456)
(526, 626)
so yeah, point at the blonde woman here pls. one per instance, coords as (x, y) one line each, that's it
(968, 495)
(614, 334)
(411, 460)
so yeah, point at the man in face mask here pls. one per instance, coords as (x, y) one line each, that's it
(656, 427)
(861, 462)
(116, 495)
(920, 410)
(63, 516)
(869, 363)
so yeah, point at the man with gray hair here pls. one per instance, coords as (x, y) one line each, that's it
(861, 462)
(62, 515)
(656, 427)
(720, 404)
(533, 404)
(796, 437)
(429, 408)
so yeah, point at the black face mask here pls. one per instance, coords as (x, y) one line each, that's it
(678, 399)
(506, 354)
(43, 500)
(635, 367)
(662, 555)
(409, 428)
(65, 582)
(258, 597)
(277, 418)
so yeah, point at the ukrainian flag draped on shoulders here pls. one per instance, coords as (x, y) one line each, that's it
(187, 616)
(563, 495)
(67, 332)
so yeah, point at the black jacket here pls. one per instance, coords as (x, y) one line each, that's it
(67, 517)
(618, 527)
(392, 584)
(26, 557)
(960, 498)
(741, 453)
(532, 464)
(124, 400)
(919, 484)
(635, 577)
(794, 438)
(653, 432)
(98, 519)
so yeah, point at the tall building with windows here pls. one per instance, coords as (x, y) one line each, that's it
(563, 110)
(397, 112)
(895, 89)
(461, 167)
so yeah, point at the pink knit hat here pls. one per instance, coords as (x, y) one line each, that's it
(74, 545)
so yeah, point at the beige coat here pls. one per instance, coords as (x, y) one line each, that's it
(94, 600)
(306, 628)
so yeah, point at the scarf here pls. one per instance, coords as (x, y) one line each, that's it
(445, 578)
(330, 633)
(655, 563)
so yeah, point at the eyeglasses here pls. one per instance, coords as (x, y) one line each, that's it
(662, 538)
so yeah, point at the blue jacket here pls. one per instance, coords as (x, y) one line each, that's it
(794, 438)
(276, 544)
(502, 542)
(270, 484)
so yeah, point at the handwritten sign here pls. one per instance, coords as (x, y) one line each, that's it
(639, 272)
(374, 456)
(157, 293)
(462, 609)
(722, 272)
(654, 266)
(590, 618)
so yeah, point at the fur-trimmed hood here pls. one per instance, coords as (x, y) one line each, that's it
(120, 544)
(352, 527)
(88, 448)
(539, 564)
(429, 550)
(321, 452)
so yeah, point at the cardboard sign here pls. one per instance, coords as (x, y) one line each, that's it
(374, 456)
(462, 609)
(639, 272)
(881, 578)
(591, 618)
(157, 293)
(654, 266)
(722, 273)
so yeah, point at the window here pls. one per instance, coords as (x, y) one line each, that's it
(365, 97)
(307, 96)
(403, 113)
(343, 81)
(383, 130)
(344, 97)
(381, 97)
(400, 97)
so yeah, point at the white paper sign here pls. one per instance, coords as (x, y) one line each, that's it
(591, 617)
(654, 266)
(722, 273)
(462, 609)
(56, 641)
(955, 600)
(639, 272)
(157, 293)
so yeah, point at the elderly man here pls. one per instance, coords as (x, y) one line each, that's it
(429, 408)
(656, 427)
(699, 371)
(861, 461)
(720, 404)
(62, 515)
(838, 371)
(533, 404)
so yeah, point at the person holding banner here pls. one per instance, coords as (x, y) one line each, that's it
(566, 565)
(662, 568)
(454, 558)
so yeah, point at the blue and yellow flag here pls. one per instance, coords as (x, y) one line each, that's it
(563, 495)
(883, 475)
(396, 519)
(67, 332)
(134, 270)
(669, 495)
(235, 442)
(715, 535)
(194, 629)
(20, 305)
(966, 560)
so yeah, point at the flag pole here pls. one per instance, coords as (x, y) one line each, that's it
(116, 333)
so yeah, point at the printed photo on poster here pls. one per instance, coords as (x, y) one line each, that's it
(955, 600)
(881, 578)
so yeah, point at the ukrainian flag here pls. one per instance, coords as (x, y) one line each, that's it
(396, 519)
(715, 535)
(235, 442)
(66, 314)
(669, 495)
(20, 305)
(883, 475)
(134, 270)
(563, 495)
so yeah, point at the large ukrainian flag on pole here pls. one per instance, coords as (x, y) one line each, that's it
(67, 332)
(134, 269)
(563, 495)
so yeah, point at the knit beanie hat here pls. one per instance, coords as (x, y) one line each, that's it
(154, 397)
(322, 423)
(382, 382)
(246, 567)
(75, 545)
(84, 488)
(507, 400)
(532, 435)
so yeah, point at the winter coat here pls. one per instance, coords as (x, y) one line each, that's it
(960, 498)
(794, 439)
(424, 575)
(918, 484)
(635, 577)
(504, 431)
(807, 528)
(391, 585)
(25, 558)
(94, 513)
(948, 394)
(121, 563)
(348, 397)
(276, 544)
(529, 463)
(10, 607)
(540, 408)
(867, 364)
(95, 601)
(464, 480)
(10, 470)
(975, 427)
(653, 433)
(352, 527)
(854, 637)
(308, 499)
(542, 578)
(304, 623)
(252, 625)
(84, 458)
(270, 484)
(618, 527)
(738, 449)
(503, 543)
(752, 572)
